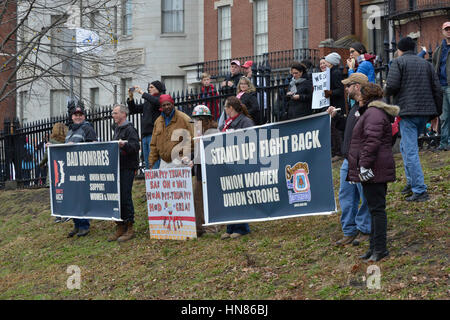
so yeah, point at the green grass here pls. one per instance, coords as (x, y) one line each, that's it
(284, 259)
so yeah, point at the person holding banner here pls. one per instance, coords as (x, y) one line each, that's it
(238, 118)
(168, 141)
(299, 95)
(371, 162)
(128, 138)
(80, 131)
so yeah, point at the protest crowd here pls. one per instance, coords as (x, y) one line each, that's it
(365, 120)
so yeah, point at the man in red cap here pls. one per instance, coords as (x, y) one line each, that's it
(247, 69)
(441, 63)
(169, 143)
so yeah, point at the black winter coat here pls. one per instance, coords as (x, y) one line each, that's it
(302, 107)
(150, 112)
(415, 86)
(129, 153)
(251, 102)
(337, 98)
(371, 144)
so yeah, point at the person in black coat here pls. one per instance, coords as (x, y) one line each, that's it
(128, 138)
(150, 110)
(246, 92)
(299, 95)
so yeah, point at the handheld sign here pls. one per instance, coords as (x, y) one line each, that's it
(321, 82)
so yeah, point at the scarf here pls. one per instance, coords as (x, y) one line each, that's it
(293, 84)
(228, 123)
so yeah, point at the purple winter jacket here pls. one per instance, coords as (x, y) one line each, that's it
(371, 143)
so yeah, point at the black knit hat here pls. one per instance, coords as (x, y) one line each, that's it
(406, 44)
(160, 86)
(358, 46)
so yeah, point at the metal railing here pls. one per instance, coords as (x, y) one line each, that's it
(401, 8)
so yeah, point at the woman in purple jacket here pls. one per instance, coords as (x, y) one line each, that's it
(371, 162)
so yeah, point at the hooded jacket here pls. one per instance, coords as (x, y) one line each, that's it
(371, 146)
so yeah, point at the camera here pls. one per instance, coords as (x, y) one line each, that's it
(131, 89)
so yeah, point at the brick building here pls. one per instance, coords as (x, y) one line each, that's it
(243, 28)
(7, 24)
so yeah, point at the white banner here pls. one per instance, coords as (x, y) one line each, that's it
(87, 41)
(321, 82)
(170, 204)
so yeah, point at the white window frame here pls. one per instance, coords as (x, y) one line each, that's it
(303, 27)
(261, 34)
(62, 107)
(222, 41)
(172, 13)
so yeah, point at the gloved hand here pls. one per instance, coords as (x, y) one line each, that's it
(327, 93)
(365, 174)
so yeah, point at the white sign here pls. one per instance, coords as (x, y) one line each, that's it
(321, 82)
(170, 204)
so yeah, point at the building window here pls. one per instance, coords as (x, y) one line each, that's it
(58, 102)
(59, 35)
(261, 35)
(125, 84)
(127, 12)
(174, 84)
(172, 12)
(301, 24)
(224, 32)
(94, 95)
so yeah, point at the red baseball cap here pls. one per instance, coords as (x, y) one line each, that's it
(247, 64)
(446, 25)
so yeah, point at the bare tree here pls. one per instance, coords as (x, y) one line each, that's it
(43, 46)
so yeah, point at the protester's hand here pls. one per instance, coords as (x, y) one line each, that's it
(350, 63)
(187, 162)
(296, 97)
(327, 93)
(138, 90)
(122, 143)
(48, 144)
(424, 49)
(331, 111)
(365, 174)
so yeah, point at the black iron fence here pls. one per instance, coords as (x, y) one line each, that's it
(399, 9)
(22, 146)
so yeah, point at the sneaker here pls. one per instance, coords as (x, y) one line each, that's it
(419, 197)
(225, 236)
(65, 220)
(57, 220)
(82, 232)
(345, 240)
(407, 190)
(361, 237)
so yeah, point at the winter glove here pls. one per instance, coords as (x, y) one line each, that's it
(365, 174)
(327, 93)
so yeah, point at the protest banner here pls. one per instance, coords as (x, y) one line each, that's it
(274, 171)
(321, 82)
(170, 204)
(84, 180)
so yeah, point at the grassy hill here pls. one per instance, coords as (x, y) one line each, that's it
(284, 259)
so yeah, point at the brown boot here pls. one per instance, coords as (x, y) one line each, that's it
(345, 240)
(129, 234)
(121, 228)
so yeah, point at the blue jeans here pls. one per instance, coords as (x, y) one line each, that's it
(352, 218)
(146, 150)
(81, 224)
(445, 136)
(410, 128)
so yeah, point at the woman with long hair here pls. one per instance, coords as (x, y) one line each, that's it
(238, 118)
(246, 92)
(371, 162)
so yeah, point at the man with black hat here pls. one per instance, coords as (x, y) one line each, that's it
(416, 90)
(150, 112)
(79, 131)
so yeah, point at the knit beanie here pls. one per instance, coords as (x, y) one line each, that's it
(406, 44)
(165, 97)
(160, 86)
(334, 58)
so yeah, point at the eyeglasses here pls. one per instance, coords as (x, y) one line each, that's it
(351, 51)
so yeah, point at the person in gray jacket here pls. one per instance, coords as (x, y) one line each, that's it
(416, 90)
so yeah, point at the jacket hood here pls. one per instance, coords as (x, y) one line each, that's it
(389, 109)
